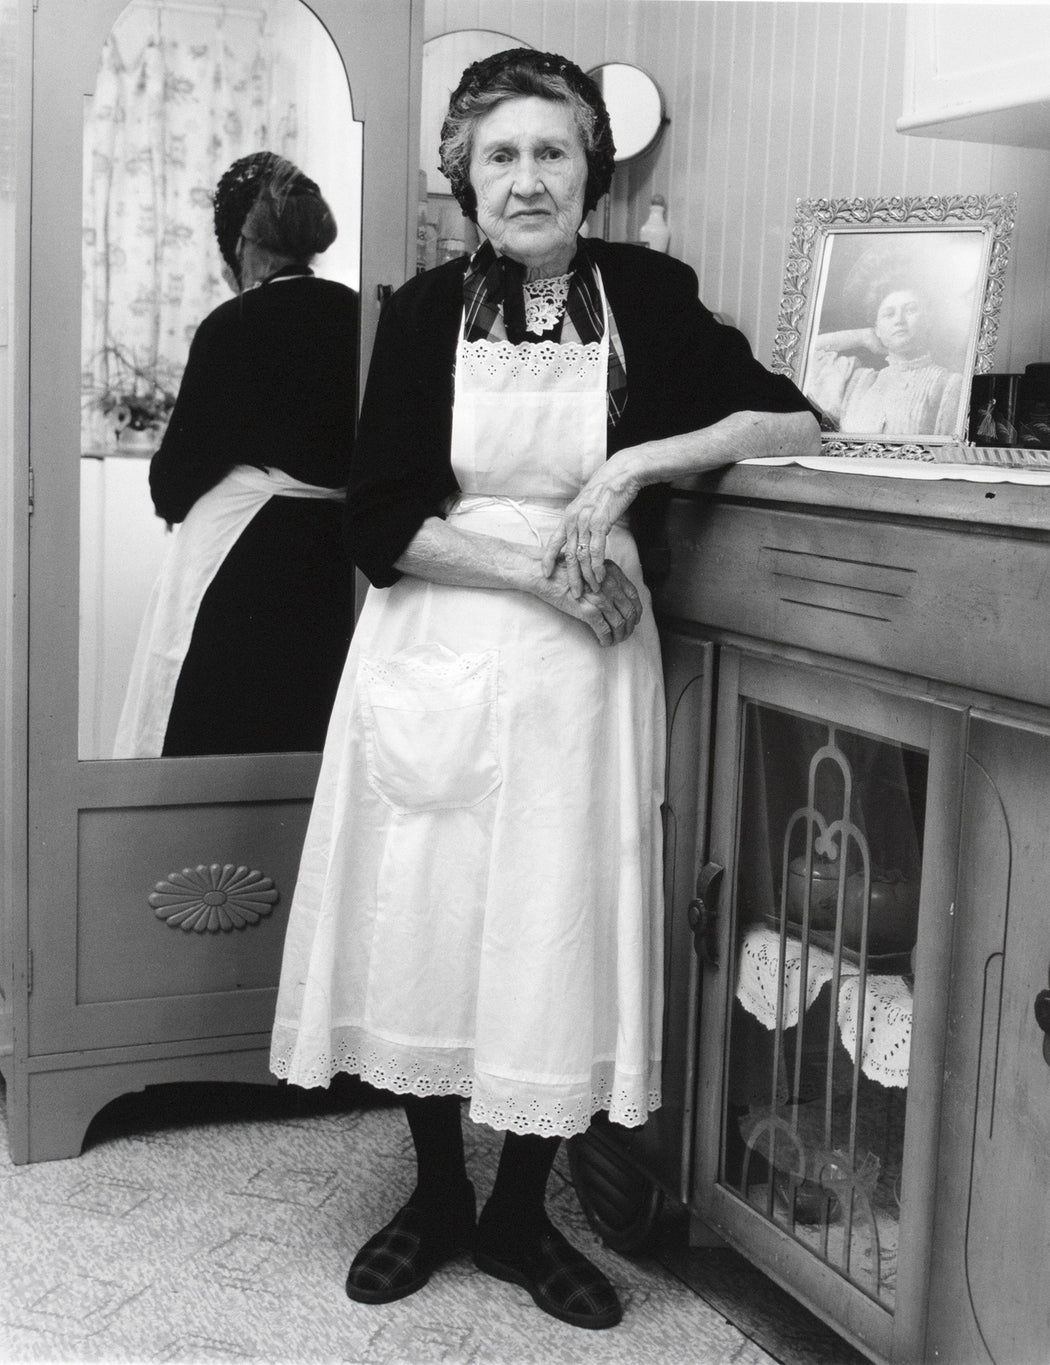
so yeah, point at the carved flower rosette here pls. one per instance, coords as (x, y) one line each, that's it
(213, 898)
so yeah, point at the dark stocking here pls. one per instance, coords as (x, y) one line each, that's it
(515, 1212)
(437, 1133)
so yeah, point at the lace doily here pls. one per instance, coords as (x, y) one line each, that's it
(545, 303)
(517, 1107)
(886, 1045)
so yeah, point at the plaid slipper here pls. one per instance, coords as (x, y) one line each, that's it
(560, 1279)
(401, 1257)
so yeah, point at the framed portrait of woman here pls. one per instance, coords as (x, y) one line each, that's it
(890, 307)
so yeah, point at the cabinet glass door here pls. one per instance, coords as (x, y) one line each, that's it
(835, 816)
(828, 875)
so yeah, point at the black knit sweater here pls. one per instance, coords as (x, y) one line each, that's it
(271, 380)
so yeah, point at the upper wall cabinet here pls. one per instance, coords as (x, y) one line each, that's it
(978, 73)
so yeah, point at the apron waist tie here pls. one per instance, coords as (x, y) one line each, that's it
(545, 507)
(551, 507)
(269, 482)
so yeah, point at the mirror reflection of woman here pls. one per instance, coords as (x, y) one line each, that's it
(479, 906)
(248, 626)
(883, 378)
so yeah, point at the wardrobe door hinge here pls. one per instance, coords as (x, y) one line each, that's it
(29, 972)
(32, 490)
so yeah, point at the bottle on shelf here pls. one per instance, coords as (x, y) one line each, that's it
(426, 231)
(654, 232)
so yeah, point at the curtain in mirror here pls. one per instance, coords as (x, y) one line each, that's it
(176, 101)
(183, 89)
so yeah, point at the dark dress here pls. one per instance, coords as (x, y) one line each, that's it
(271, 381)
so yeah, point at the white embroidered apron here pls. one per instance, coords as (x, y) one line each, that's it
(479, 905)
(193, 557)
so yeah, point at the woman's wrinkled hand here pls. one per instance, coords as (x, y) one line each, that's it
(582, 535)
(611, 611)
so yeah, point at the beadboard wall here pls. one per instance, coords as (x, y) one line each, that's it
(770, 102)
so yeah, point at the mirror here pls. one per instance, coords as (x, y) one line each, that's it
(445, 58)
(442, 230)
(184, 88)
(636, 107)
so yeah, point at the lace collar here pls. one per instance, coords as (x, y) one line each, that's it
(917, 362)
(545, 302)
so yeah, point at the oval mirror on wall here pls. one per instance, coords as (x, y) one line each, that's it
(636, 108)
(183, 89)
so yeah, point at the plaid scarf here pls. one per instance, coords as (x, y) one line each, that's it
(494, 308)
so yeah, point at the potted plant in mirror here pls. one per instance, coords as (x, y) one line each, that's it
(135, 399)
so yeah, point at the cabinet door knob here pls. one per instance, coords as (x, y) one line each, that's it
(1042, 1018)
(703, 914)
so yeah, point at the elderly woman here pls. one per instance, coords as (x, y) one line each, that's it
(244, 639)
(478, 912)
(883, 378)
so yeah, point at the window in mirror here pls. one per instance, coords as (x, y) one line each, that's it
(442, 227)
(184, 89)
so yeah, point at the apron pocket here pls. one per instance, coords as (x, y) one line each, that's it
(430, 721)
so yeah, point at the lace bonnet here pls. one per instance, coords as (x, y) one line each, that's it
(524, 71)
(251, 178)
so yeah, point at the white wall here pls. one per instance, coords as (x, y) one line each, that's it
(770, 102)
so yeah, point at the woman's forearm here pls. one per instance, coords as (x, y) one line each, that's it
(441, 553)
(848, 339)
(742, 435)
(581, 537)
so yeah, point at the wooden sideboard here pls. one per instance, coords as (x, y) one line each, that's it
(858, 669)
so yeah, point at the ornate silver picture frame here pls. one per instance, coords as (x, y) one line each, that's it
(890, 307)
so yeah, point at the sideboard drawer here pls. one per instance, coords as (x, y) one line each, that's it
(905, 594)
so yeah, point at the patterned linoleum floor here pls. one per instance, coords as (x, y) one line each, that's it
(207, 1223)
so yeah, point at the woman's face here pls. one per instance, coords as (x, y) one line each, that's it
(900, 323)
(528, 170)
